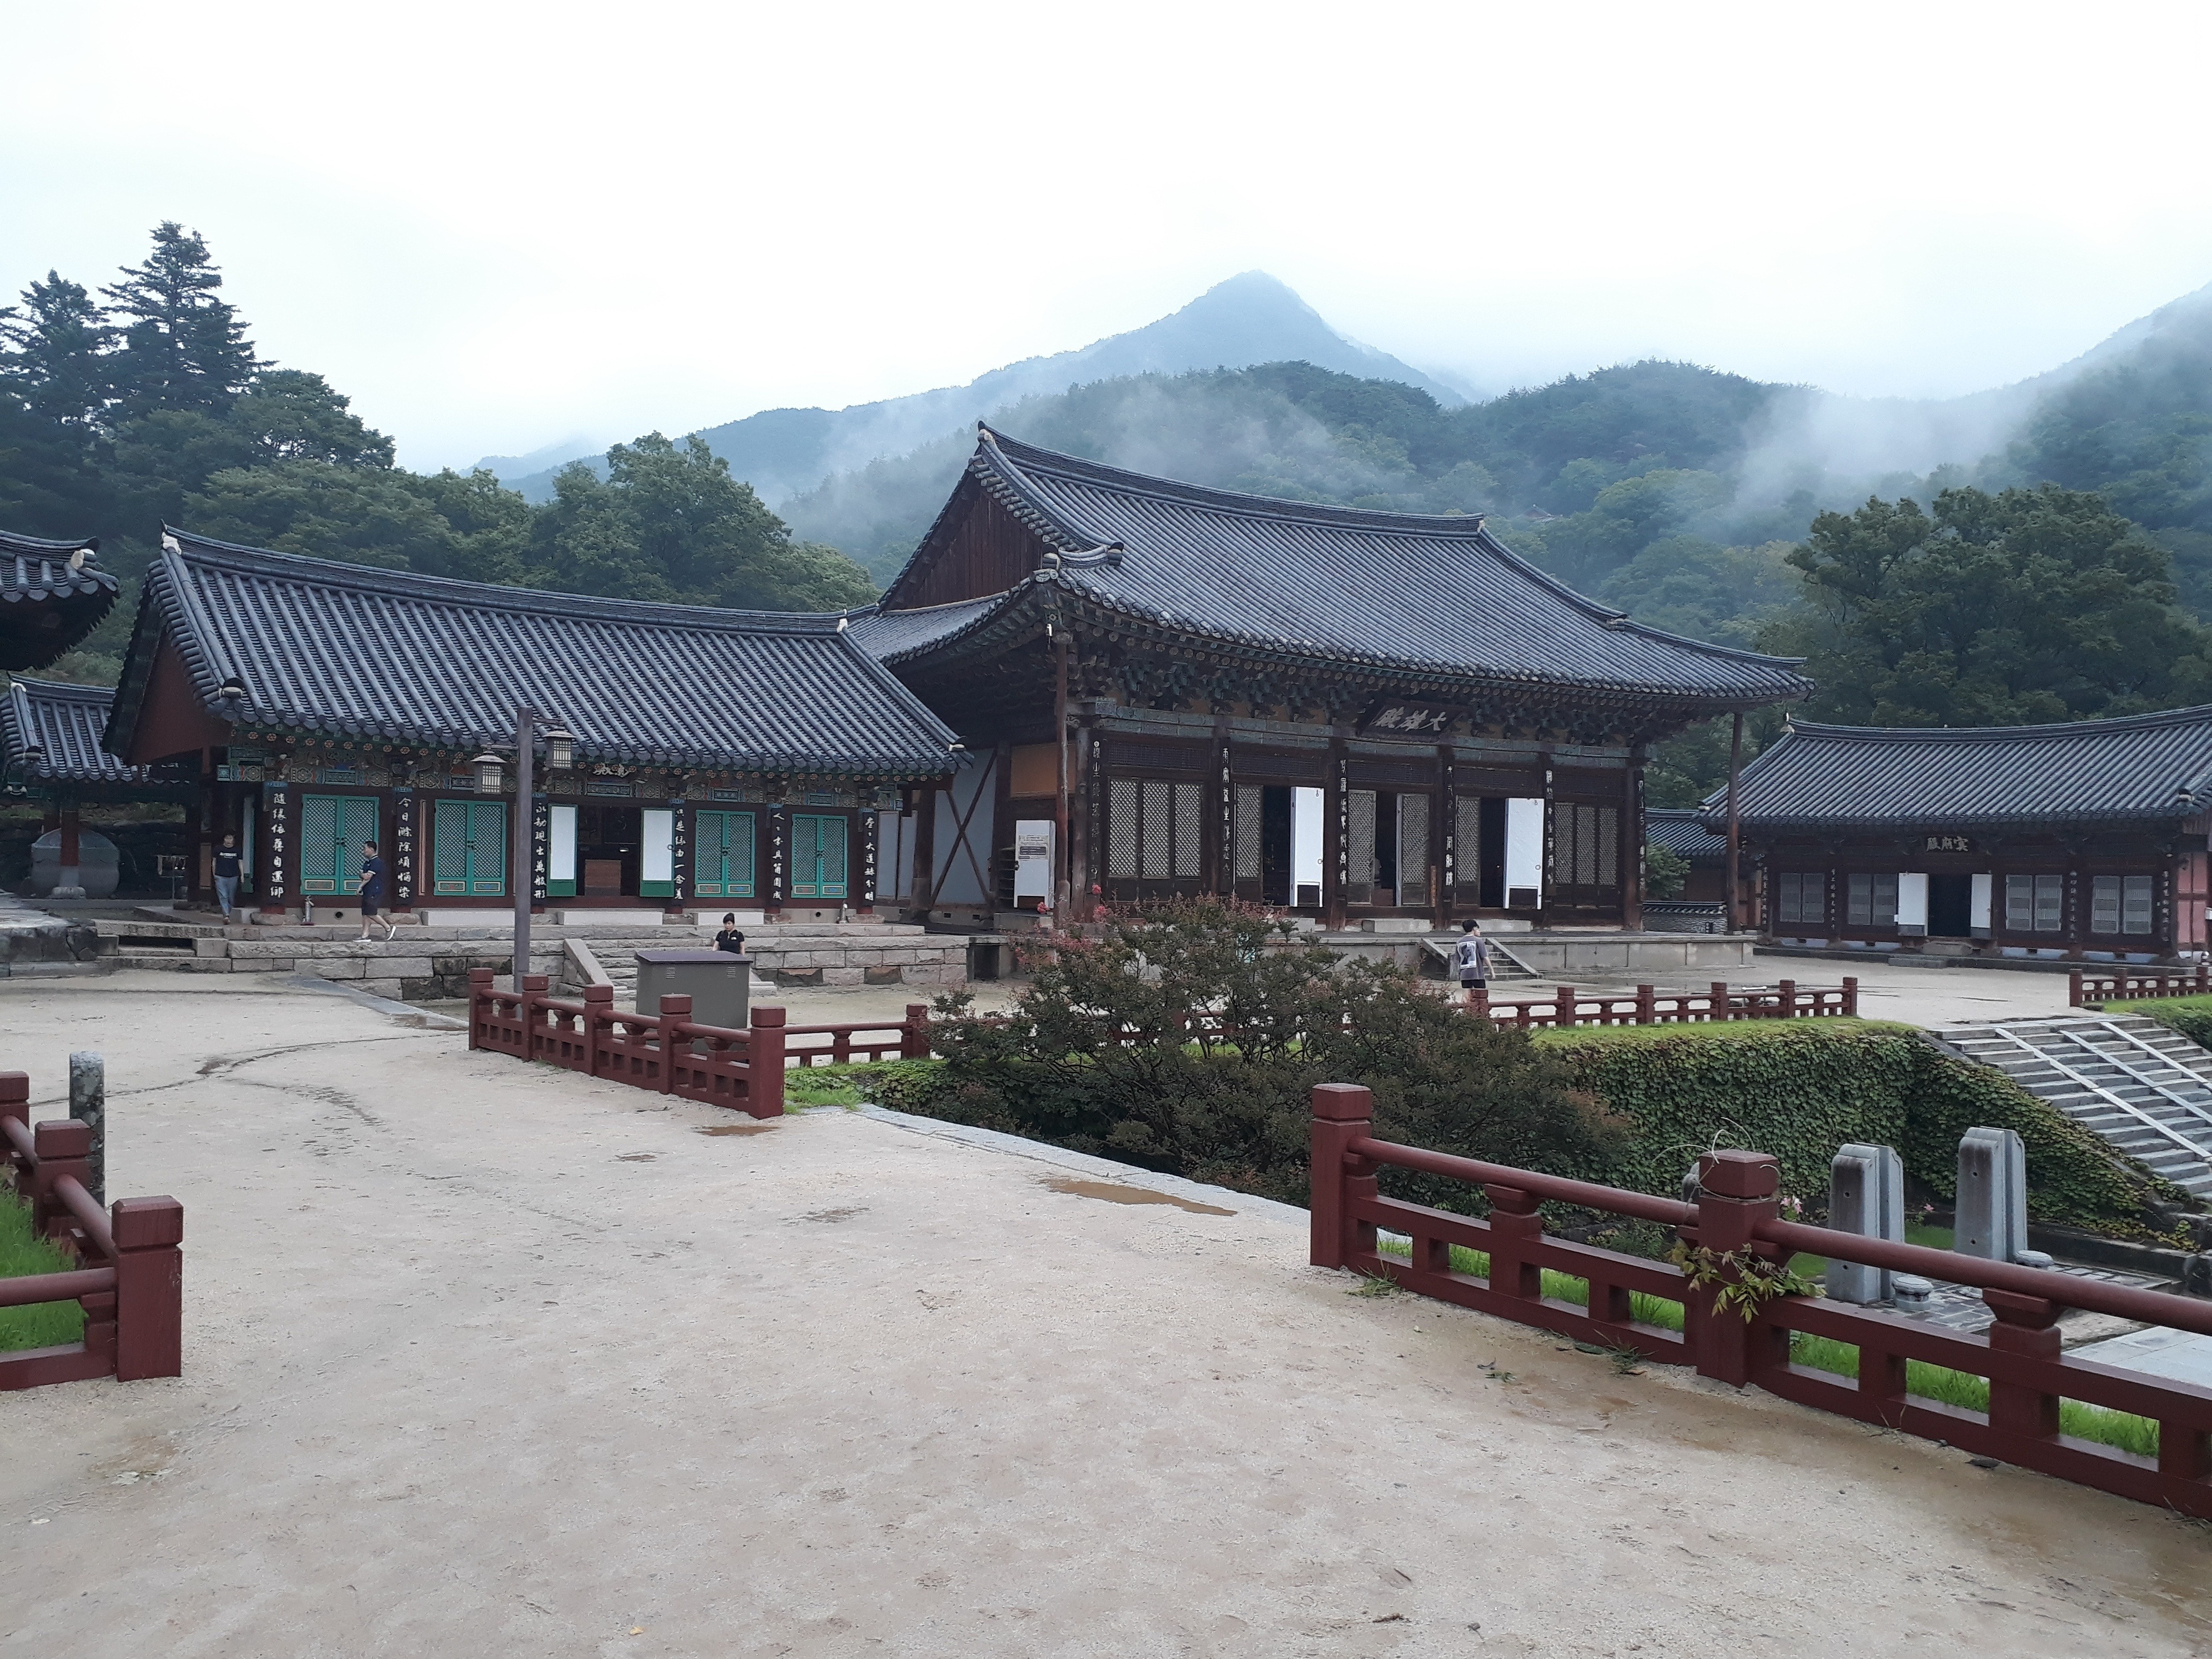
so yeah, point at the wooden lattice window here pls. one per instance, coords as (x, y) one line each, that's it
(1154, 828)
(1586, 845)
(1466, 845)
(1250, 830)
(1412, 849)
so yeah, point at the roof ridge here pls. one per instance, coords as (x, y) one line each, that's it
(31, 545)
(492, 595)
(1467, 525)
(2149, 721)
(62, 688)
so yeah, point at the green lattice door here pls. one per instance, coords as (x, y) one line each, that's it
(722, 854)
(332, 829)
(818, 856)
(468, 848)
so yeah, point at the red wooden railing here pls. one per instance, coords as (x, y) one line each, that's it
(668, 1052)
(1646, 1005)
(2087, 990)
(132, 1289)
(1737, 1210)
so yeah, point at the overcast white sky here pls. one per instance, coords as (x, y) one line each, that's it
(498, 227)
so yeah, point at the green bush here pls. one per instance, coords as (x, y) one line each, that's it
(1800, 1089)
(1101, 1055)
(2191, 1016)
(43, 1324)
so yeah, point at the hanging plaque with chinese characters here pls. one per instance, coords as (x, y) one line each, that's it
(1390, 718)
(405, 845)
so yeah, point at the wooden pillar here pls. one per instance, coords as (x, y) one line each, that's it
(1083, 809)
(1001, 834)
(921, 889)
(1734, 828)
(1630, 850)
(1063, 855)
(1443, 830)
(1335, 855)
(1219, 859)
(203, 865)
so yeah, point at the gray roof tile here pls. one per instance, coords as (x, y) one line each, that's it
(348, 650)
(1394, 591)
(65, 721)
(51, 595)
(2144, 768)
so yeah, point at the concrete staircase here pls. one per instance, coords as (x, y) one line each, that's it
(430, 962)
(2143, 1089)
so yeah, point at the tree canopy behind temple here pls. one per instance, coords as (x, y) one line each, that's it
(148, 402)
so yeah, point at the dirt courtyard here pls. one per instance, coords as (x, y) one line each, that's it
(484, 1358)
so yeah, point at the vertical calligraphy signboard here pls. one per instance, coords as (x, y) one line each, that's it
(679, 852)
(406, 844)
(778, 851)
(541, 846)
(870, 824)
(276, 842)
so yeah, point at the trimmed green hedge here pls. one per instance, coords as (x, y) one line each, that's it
(2191, 1016)
(1801, 1088)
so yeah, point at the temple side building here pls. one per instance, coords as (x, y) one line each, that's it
(1364, 717)
(720, 759)
(2080, 840)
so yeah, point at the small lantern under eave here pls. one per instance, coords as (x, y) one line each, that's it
(488, 766)
(560, 749)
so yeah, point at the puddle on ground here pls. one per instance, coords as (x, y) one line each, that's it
(637, 1157)
(1114, 1192)
(737, 1129)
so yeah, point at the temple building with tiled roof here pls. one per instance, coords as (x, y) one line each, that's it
(2084, 840)
(719, 757)
(1364, 716)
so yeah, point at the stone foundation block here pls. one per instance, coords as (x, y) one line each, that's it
(843, 976)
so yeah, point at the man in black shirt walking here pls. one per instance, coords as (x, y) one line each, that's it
(226, 877)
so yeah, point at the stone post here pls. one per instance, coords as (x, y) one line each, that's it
(1866, 1195)
(89, 1106)
(1991, 1208)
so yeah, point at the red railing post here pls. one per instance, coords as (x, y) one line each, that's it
(1342, 1113)
(675, 1015)
(480, 980)
(2203, 978)
(764, 1064)
(1785, 999)
(1647, 1006)
(62, 1147)
(913, 1036)
(1514, 1223)
(1736, 1191)
(1478, 1002)
(2074, 988)
(1850, 996)
(2026, 1325)
(149, 1288)
(15, 1104)
(598, 1010)
(1563, 1005)
(1719, 994)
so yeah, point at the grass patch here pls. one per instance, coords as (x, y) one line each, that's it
(1644, 1309)
(47, 1324)
(2122, 1430)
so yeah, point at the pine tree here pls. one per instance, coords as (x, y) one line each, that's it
(56, 361)
(183, 349)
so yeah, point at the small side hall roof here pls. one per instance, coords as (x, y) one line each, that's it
(51, 595)
(1429, 596)
(1681, 830)
(63, 723)
(2145, 767)
(350, 651)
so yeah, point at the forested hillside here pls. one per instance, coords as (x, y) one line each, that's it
(145, 401)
